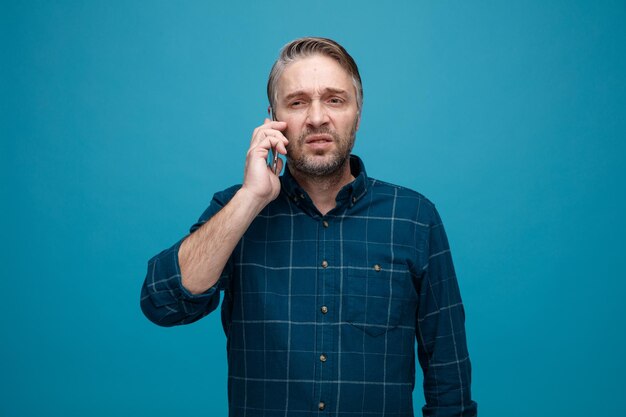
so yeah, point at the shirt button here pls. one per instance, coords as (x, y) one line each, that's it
(323, 357)
(353, 200)
(321, 405)
(377, 268)
(302, 196)
(325, 223)
(324, 309)
(324, 264)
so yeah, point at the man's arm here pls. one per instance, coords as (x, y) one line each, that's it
(180, 286)
(442, 348)
(203, 254)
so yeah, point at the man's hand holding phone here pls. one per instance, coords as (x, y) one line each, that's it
(204, 253)
(260, 179)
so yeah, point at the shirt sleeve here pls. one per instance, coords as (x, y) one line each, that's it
(164, 299)
(440, 331)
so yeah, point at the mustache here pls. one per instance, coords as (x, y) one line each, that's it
(322, 130)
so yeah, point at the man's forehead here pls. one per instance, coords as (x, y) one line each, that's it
(317, 72)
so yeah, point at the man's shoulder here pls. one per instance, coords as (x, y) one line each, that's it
(220, 199)
(407, 201)
(386, 188)
(225, 195)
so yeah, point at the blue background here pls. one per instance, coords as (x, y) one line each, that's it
(120, 120)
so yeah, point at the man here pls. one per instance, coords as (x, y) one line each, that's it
(329, 276)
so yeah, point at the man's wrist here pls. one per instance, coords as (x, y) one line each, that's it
(246, 198)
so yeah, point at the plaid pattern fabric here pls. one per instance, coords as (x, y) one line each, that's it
(321, 313)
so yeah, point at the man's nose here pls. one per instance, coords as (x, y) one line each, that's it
(317, 114)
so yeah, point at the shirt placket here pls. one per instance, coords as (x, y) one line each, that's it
(325, 344)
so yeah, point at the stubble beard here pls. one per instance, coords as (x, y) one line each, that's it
(332, 165)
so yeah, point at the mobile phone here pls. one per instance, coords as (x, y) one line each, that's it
(274, 160)
(273, 164)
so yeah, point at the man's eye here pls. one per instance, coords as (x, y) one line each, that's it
(296, 103)
(335, 100)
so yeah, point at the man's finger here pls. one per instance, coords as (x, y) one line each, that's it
(274, 124)
(278, 143)
(263, 134)
(267, 124)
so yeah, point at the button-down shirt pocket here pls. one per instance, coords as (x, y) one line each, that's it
(375, 297)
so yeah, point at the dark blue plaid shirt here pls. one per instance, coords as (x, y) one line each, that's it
(321, 313)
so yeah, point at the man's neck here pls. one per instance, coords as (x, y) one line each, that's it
(323, 190)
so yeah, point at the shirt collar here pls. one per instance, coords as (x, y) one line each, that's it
(350, 194)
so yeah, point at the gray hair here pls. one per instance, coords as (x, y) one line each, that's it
(305, 47)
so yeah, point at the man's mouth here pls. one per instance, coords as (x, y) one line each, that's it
(318, 139)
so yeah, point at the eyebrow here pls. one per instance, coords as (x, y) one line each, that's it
(325, 91)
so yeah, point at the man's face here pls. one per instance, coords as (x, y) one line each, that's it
(317, 99)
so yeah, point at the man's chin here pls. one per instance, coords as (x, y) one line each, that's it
(318, 165)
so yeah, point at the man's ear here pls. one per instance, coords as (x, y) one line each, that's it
(358, 121)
